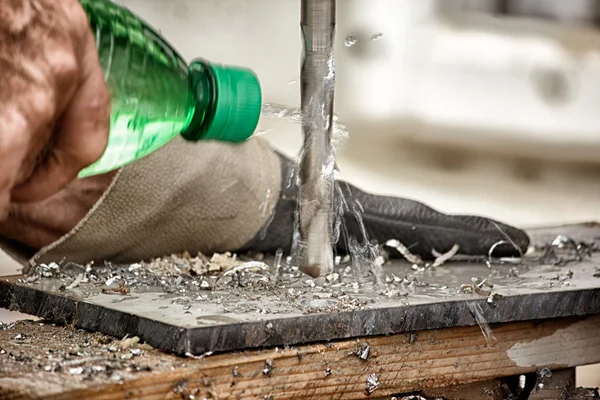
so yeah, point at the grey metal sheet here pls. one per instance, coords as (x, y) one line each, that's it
(178, 315)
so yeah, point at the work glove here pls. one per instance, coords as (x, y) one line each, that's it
(365, 219)
(215, 197)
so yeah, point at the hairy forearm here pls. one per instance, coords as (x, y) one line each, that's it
(54, 103)
(39, 224)
(17, 15)
(38, 51)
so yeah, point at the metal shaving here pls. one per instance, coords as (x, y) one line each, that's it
(493, 247)
(372, 383)
(403, 250)
(418, 263)
(76, 282)
(563, 250)
(200, 357)
(180, 386)
(76, 371)
(442, 258)
(363, 352)
(136, 352)
(394, 293)
(128, 342)
(477, 287)
(412, 338)
(252, 266)
(48, 270)
(467, 289)
(545, 373)
(494, 296)
(268, 367)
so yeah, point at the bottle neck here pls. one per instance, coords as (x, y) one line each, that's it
(202, 86)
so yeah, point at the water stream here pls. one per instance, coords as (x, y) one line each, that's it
(365, 257)
(339, 132)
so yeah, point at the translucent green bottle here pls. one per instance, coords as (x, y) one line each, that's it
(156, 95)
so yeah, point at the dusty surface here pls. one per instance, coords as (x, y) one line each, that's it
(61, 357)
(41, 359)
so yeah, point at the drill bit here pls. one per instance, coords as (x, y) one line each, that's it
(317, 160)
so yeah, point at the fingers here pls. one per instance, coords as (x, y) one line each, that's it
(39, 224)
(14, 138)
(80, 138)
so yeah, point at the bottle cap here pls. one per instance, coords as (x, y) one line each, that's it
(237, 106)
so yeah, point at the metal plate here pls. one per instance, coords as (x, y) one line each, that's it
(177, 315)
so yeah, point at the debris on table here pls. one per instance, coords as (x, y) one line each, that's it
(75, 357)
(477, 288)
(46, 360)
(564, 250)
(121, 289)
(268, 367)
(363, 351)
(372, 383)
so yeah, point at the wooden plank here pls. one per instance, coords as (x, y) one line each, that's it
(484, 390)
(401, 363)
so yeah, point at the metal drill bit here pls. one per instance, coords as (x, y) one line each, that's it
(317, 159)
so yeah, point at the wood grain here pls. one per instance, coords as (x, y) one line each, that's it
(434, 358)
(483, 390)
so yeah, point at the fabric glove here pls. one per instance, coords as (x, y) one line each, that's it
(214, 197)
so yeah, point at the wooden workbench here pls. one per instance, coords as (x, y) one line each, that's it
(43, 361)
(421, 333)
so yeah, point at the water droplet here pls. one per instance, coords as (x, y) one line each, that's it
(350, 41)
(376, 36)
(260, 133)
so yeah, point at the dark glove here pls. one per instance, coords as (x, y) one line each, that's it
(420, 228)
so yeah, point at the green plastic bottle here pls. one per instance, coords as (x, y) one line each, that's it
(156, 95)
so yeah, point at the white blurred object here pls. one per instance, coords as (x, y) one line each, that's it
(559, 10)
(512, 85)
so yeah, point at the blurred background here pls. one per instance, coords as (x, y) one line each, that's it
(479, 106)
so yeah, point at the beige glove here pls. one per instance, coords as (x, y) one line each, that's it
(214, 197)
(200, 197)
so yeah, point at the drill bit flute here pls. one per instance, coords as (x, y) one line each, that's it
(317, 160)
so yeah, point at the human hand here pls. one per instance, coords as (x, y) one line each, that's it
(54, 102)
(38, 224)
